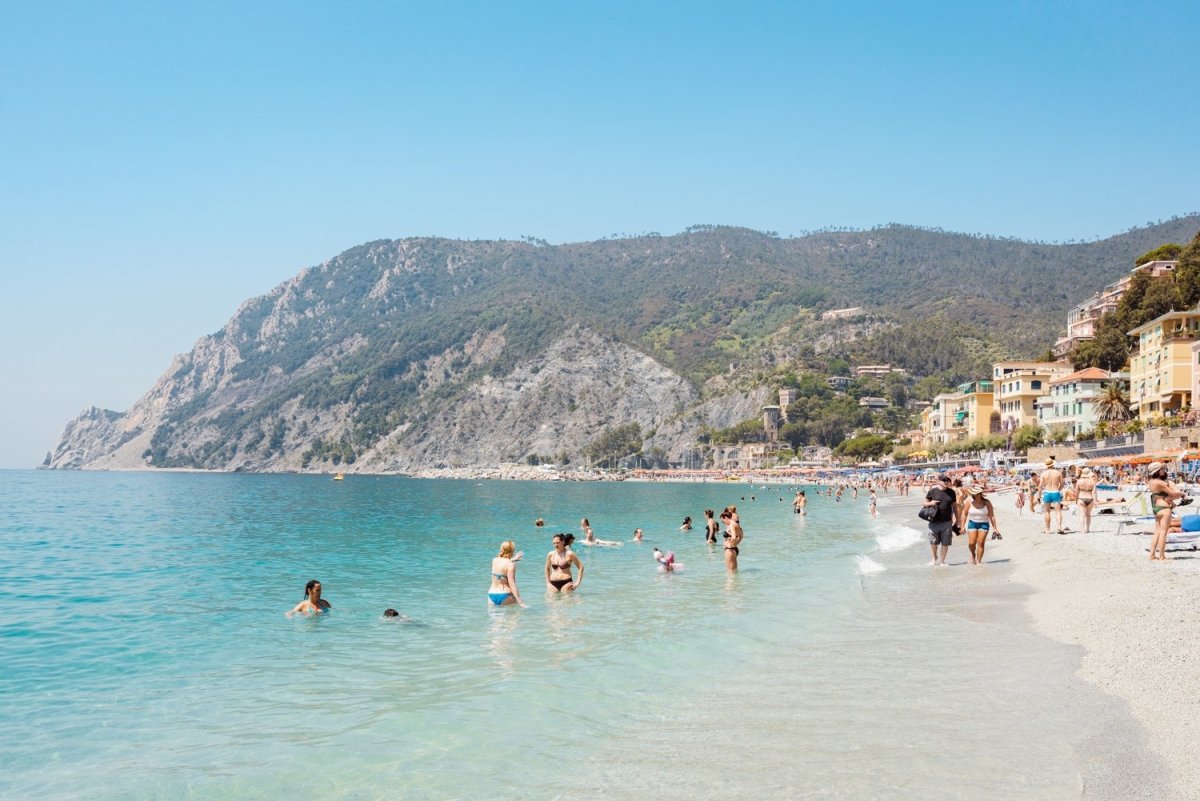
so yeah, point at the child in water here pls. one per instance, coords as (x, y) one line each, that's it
(666, 561)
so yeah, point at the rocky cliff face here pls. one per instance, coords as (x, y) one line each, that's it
(552, 406)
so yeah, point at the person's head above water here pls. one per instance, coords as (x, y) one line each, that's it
(312, 587)
(390, 613)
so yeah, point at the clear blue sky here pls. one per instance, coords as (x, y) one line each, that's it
(162, 162)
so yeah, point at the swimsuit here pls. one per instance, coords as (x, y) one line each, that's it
(498, 598)
(1158, 507)
(565, 567)
(1051, 496)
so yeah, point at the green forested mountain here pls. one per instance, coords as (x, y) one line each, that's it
(382, 344)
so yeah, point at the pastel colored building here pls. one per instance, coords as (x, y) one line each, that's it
(1161, 364)
(933, 420)
(1018, 385)
(974, 410)
(1082, 319)
(1071, 403)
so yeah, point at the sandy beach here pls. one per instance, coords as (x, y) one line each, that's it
(1136, 620)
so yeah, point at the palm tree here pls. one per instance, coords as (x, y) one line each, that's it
(1113, 403)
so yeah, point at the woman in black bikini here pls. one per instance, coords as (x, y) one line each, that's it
(733, 537)
(558, 565)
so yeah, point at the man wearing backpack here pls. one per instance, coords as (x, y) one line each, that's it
(941, 527)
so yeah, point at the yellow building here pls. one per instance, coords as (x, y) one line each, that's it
(965, 414)
(1018, 385)
(1160, 365)
(973, 412)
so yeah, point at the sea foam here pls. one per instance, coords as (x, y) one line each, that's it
(898, 538)
(868, 566)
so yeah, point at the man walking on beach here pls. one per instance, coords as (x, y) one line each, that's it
(1052, 494)
(941, 527)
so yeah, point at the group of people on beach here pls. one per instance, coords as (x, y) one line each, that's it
(1053, 489)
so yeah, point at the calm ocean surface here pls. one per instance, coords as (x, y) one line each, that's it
(145, 653)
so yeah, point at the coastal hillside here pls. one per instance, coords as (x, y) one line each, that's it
(404, 354)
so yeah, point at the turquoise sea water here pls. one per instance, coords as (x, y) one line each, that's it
(145, 653)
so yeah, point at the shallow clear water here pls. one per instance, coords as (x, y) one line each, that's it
(145, 653)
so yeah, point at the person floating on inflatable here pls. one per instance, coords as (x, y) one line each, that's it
(666, 561)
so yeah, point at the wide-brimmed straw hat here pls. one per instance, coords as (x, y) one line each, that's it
(1049, 461)
(1087, 473)
(1154, 467)
(976, 490)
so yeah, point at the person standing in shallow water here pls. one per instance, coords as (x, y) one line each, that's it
(941, 527)
(558, 565)
(733, 538)
(978, 518)
(503, 590)
(313, 603)
(710, 527)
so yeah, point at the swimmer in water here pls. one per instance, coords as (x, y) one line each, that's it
(637, 535)
(666, 561)
(589, 537)
(313, 603)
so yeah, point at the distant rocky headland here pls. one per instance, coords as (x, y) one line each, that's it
(419, 355)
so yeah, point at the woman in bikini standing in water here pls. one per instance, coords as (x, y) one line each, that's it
(710, 527)
(503, 591)
(558, 565)
(733, 538)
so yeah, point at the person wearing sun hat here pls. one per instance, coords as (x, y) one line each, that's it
(978, 518)
(1052, 494)
(1163, 495)
(1085, 497)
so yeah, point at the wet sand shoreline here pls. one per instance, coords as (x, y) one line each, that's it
(1135, 620)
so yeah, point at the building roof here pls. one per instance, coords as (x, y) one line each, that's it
(1086, 374)
(1172, 315)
